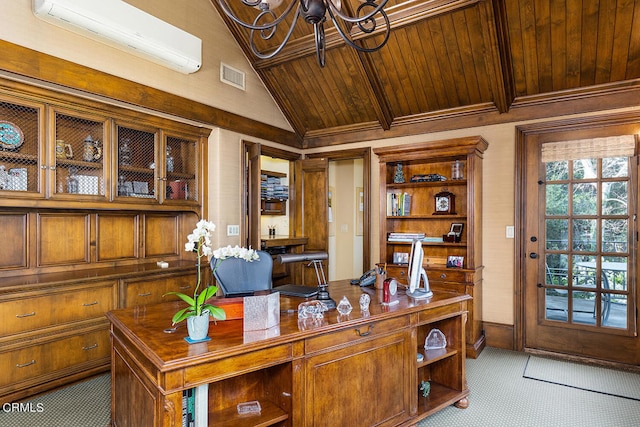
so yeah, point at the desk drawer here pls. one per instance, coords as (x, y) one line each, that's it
(45, 359)
(355, 334)
(35, 312)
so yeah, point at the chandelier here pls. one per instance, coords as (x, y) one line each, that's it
(314, 12)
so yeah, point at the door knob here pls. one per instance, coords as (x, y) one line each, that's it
(533, 255)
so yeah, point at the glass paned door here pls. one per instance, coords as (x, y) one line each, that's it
(587, 230)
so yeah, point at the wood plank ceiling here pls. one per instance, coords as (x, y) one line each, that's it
(446, 59)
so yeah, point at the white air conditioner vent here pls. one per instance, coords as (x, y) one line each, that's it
(231, 76)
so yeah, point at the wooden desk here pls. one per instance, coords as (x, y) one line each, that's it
(359, 368)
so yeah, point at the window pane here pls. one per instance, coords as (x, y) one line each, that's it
(557, 234)
(584, 271)
(557, 304)
(557, 171)
(614, 235)
(585, 169)
(585, 196)
(584, 235)
(615, 167)
(557, 269)
(615, 198)
(614, 273)
(557, 199)
(614, 310)
(583, 307)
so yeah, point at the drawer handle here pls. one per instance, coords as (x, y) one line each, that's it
(443, 276)
(182, 288)
(20, 316)
(89, 304)
(364, 334)
(148, 294)
(91, 347)
(24, 365)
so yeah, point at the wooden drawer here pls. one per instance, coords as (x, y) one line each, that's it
(150, 291)
(47, 358)
(354, 334)
(449, 275)
(31, 312)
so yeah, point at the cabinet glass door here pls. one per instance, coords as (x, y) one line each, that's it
(78, 155)
(20, 152)
(136, 159)
(180, 166)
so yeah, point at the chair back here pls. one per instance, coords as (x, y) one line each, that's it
(237, 277)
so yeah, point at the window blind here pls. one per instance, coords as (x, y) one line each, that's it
(591, 148)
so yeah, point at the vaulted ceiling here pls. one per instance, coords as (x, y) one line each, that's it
(447, 59)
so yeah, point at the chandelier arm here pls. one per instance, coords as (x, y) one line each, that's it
(335, 10)
(227, 10)
(281, 46)
(321, 46)
(348, 40)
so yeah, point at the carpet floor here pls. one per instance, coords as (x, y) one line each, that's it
(590, 378)
(501, 396)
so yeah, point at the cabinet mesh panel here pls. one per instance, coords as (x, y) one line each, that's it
(19, 165)
(78, 156)
(136, 163)
(180, 165)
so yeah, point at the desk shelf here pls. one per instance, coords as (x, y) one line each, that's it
(270, 415)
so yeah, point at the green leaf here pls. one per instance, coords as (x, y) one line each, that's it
(183, 297)
(207, 293)
(215, 312)
(182, 314)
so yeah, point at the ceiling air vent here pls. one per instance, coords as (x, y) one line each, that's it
(231, 76)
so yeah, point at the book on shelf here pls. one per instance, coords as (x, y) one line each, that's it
(404, 237)
(398, 204)
(410, 237)
(195, 406)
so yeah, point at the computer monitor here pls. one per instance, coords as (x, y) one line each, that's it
(417, 272)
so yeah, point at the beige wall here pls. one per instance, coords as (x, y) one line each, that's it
(225, 177)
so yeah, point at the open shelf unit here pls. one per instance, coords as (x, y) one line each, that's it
(441, 367)
(428, 173)
(271, 204)
(272, 387)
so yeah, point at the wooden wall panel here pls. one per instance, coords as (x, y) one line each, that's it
(117, 237)
(63, 238)
(14, 230)
(161, 235)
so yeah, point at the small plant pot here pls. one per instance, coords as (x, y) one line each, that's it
(198, 327)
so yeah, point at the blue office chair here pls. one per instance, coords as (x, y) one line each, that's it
(237, 277)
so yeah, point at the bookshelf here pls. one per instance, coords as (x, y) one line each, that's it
(424, 201)
(273, 193)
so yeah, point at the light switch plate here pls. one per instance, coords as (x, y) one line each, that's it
(510, 232)
(233, 230)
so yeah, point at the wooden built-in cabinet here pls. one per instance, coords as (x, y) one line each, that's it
(422, 165)
(357, 369)
(85, 222)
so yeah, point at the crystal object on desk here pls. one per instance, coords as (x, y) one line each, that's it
(312, 310)
(435, 340)
(365, 300)
(344, 306)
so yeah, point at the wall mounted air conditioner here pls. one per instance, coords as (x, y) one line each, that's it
(125, 27)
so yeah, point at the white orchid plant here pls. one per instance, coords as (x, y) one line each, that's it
(200, 242)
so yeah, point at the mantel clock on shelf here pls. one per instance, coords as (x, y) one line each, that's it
(445, 203)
